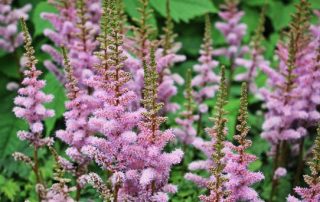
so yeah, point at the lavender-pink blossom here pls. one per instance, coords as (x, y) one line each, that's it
(10, 37)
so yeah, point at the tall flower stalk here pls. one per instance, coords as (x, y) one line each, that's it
(256, 59)
(186, 132)
(233, 31)
(206, 81)
(312, 192)
(10, 37)
(238, 159)
(280, 126)
(215, 151)
(75, 27)
(30, 106)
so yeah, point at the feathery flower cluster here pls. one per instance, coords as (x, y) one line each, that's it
(206, 80)
(187, 133)
(75, 27)
(112, 118)
(256, 60)
(286, 101)
(233, 32)
(166, 57)
(31, 99)
(240, 177)
(10, 37)
(30, 106)
(79, 110)
(59, 191)
(152, 183)
(312, 193)
(214, 150)
(218, 185)
(230, 179)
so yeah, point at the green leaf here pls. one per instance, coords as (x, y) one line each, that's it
(39, 23)
(232, 109)
(184, 10)
(55, 88)
(251, 19)
(10, 69)
(257, 2)
(10, 189)
(9, 124)
(255, 166)
(131, 8)
(280, 14)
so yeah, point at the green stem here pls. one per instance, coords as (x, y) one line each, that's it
(300, 164)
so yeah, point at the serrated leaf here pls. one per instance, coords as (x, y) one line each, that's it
(55, 88)
(39, 23)
(10, 189)
(184, 10)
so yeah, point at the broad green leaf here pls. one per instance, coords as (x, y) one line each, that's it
(39, 23)
(184, 10)
(280, 14)
(251, 19)
(258, 2)
(55, 88)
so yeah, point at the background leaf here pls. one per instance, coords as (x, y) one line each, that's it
(39, 23)
(55, 88)
(184, 10)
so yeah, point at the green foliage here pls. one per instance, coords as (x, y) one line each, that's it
(9, 124)
(184, 10)
(8, 188)
(40, 24)
(55, 88)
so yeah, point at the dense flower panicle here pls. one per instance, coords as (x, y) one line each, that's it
(146, 179)
(112, 118)
(167, 57)
(30, 101)
(59, 191)
(240, 177)
(232, 30)
(215, 150)
(168, 80)
(256, 59)
(288, 102)
(206, 80)
(218, 186)
(312, 192)
(79, 106)
(94, 180)
(75, 27)
(187, 133)
(10, 37)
